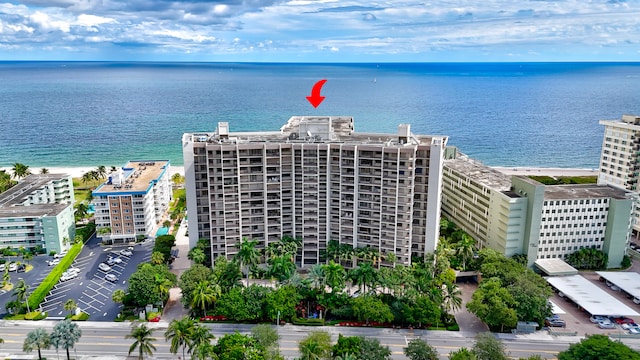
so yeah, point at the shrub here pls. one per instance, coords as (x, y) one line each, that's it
(83, 316)
(307, 322)
(37, 296)
(35, 315)
(453, 327)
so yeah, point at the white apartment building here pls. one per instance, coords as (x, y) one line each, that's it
(620, 157)
(518, 215)
(38, 212)
(133, 200)
(316, 179)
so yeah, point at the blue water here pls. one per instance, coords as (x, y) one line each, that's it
(162, 231)
(515, 114)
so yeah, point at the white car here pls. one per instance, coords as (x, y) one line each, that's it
(636, 300)
(111, 277)
(126, 252)
(13, 267)
(104, 267)
(60, 255)
(634, 331)
(73, 271)
(597, 318)
(113, 260)
(53, 262)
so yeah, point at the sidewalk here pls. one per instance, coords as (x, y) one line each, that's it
(174, 309)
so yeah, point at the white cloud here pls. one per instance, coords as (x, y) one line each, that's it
(93, 20)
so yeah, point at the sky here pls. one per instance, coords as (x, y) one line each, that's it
(320, 30)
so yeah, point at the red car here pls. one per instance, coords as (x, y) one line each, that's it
(155, 319)
(213, 318)
(623, 320)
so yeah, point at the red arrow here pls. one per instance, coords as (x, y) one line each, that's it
(315, 99)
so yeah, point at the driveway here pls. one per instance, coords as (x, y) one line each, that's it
(33, 277)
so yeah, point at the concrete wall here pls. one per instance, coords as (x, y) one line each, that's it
(617, 231)
(534, 192)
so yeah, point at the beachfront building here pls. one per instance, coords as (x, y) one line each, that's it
(133, 201)
(620, 157)
(315, 179)
(37, 213)
(518, 215)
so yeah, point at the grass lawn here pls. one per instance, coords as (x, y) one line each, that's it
(562, 180)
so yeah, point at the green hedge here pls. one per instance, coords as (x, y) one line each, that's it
(83, 316)
(453, 327)
(307, 322)
(38, 295)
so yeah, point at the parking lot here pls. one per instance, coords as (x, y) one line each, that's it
(577, 320)
(90, 290)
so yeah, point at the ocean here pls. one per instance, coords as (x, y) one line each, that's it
(504, 114)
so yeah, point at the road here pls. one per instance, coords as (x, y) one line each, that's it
(107, 339)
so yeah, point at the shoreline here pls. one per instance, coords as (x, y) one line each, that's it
(78, 171)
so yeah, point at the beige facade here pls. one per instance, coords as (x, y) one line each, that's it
(620, 157)
(133, 200)
(318, 180)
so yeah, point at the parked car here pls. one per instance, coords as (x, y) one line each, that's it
(636, 300)
(111, 277)
(598, 318)
(13, 267)
(22, 268)
(104, 267)
(614, 288)
(630, 326)
(73, 270)
(606, 325)
(622, 320)
(111, 260)
(67, 276)
(53, 262)
(555, 323)
(60, 255)
(634, 331)
(126, 252)
(3, 266)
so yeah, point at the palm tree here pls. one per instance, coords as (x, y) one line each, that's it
(44, 171)
(364, 275)
(197, 255)
(451, 297)
(82, 210)
(70, 306)
(204, 294)
(200, 337)
(20, 291)
(142, 335)
(179, 334)
(316, 277)
(36, 339)
(157, 258)
(248, 254)
(335, 276)
(87, 177)
(464, 249)
(101, 171)
(20, 170)
(282, 267)
(162, 285)
(65, 335)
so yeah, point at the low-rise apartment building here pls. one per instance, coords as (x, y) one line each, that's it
(133, 201)
(38, 213)
(518, 215)
(316, 179)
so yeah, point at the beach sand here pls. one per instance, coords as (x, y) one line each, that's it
(77, 172)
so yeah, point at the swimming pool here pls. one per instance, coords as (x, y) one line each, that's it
(162, 231)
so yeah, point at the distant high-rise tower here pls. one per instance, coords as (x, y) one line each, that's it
(620, 157)
(317, 180)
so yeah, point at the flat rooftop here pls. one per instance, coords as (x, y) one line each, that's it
(589, 296)
(583, 191)
(21, 191)
(625, 280)
(137, 177)
(313, 129)
(481, 173)
(32, 210)
(555, 267)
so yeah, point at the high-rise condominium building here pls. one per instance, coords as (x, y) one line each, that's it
(38, 213)
(620, 157)
(316, 179)
(518, 215)
(133, 200)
